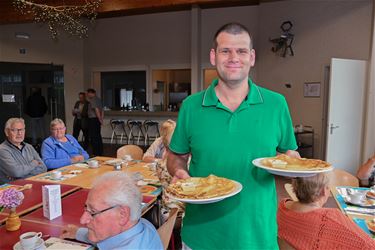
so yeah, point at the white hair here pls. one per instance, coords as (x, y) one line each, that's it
(55, 122)
(122, 191)
(11, 121)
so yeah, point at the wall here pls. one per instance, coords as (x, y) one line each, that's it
(323, 29)
(42, 49)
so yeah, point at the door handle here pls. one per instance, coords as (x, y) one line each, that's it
(331, 128)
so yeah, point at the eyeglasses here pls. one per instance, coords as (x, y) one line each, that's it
(93, 214)
(17, 130)
(58, 129)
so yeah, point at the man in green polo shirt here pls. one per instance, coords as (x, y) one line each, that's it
(224, 128)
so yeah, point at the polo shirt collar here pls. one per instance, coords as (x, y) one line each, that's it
(210, 98)
(114, 241)
(14, 146)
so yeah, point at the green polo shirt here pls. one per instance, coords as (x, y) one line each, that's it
(224, 143)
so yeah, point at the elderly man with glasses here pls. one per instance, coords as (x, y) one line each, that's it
(112, 216)
(17, 158)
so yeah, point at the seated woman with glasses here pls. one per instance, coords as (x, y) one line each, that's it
(305, 224)
(61, 149)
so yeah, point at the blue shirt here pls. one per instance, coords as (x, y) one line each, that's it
(142, 235)
(56, 154)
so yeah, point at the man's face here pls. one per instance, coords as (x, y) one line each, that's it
(16, 133)
(82, 98)
(105, 224)
(233, 57)
(90, 95)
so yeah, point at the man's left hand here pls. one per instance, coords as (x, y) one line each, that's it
(293, 154)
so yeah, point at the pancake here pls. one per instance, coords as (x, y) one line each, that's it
(283, 161)
(201, 188)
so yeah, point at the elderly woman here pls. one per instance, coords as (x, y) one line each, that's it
(366, 172)
(157, 150)
(305, 224)
(61, 149)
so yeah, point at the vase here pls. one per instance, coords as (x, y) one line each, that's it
(13, 221)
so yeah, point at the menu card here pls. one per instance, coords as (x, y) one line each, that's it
(56, 243)
(51, 201)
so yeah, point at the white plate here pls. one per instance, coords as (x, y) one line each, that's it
(39, 246)
(210, 200)
(114, 162)
(81, 165)
(289, 173)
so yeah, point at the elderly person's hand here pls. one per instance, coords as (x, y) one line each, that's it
(69, 232)
(77, 158)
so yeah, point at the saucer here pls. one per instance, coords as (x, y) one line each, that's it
(39, 246)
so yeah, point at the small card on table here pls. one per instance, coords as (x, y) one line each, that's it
(51, 201)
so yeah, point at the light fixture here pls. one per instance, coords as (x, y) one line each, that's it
(22, 35)
(67, 17)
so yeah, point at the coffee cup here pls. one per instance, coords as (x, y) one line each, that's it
(56, 174)
(30, 240)
(93, 164)
(356, 198)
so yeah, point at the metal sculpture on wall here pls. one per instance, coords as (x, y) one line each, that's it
(284, 43)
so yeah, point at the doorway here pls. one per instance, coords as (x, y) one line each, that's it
(16, 82)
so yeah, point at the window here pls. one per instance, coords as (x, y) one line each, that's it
(123, 89)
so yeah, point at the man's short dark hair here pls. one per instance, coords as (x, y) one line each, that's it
(234, 29)
(91, 91)
(82, 93)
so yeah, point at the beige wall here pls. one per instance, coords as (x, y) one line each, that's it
(323, 29)
(42, 49)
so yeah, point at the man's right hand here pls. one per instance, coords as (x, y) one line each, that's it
(69, 232)
(180, 174)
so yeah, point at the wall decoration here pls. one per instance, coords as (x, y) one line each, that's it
(311, 89)
(283, 43)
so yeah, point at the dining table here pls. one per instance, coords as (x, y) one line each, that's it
(83, 176)
(33, 196)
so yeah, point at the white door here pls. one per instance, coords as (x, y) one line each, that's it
(345, 113)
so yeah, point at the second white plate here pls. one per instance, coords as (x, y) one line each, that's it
(289, 173)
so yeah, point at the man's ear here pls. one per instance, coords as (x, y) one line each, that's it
(124, 215)
(213, 57)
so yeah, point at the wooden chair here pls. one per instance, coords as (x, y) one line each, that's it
(135, 151)
(283, 245)
(165, 230)
(339, 177)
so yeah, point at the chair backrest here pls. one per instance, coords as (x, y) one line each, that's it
(339, 177)
(283, 245)
(135, 151)
(165, 230)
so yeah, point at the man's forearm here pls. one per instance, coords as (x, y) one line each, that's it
(177, 162)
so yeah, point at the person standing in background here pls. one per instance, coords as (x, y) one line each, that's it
(96, 116)
(81, 119)
(36, 108)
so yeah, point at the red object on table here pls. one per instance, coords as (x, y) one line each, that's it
(33, 197)
(72, 209)
(9, 239)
